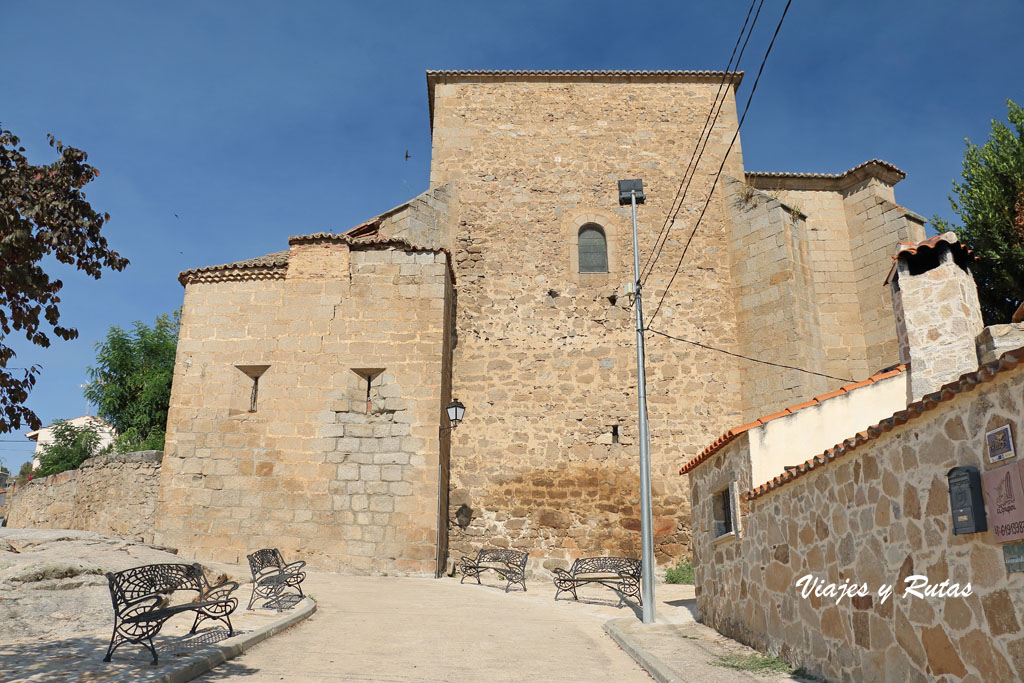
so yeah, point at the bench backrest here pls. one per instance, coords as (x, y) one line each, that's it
(512, 558)
(614, 565)
(261, 559)
(154, 579)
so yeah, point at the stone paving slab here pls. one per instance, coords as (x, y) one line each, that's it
(182, 657)
(676, 653)
(421, 629)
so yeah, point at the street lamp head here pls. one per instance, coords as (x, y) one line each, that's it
(626, 190)
(455, 412)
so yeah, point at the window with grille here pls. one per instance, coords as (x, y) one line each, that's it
(593, 249)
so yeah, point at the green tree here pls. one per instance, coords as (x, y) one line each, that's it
(130, 384)
(70, 448)
(43, 212)
(990, 203)
(25, 472)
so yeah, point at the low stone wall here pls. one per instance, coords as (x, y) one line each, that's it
(877, 514)
(111, 494)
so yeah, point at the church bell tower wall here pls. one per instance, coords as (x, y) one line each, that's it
(545, 362)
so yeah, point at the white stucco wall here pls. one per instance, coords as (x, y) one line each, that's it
(44, 437)
(795, 438)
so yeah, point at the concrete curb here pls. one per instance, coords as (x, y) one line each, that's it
(232, 647)
(659, 671)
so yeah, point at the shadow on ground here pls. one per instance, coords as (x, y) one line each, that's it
(81, 658)
(282, 602)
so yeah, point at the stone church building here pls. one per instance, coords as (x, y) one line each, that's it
(307, 409)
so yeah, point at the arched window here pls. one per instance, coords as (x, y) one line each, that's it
(593, 249)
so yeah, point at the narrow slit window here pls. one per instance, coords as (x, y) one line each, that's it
(593, 249)
(253, 372)
(255, 394)
(615, 433)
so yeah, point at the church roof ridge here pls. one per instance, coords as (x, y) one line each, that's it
(877, 168)
(584, 73)
(273, 266)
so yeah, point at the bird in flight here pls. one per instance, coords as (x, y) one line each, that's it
(407, 157)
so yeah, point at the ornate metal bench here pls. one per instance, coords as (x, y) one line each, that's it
(509, 564)
(618, 573)
(141, 596)
(271, 575)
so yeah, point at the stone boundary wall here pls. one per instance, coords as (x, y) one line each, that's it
(112, 494)
(874, 516)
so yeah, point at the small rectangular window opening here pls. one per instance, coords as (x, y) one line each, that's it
(723, 512)
(615, 433)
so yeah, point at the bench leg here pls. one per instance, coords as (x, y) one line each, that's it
(113, 645)
(252, 598)
(148, 642)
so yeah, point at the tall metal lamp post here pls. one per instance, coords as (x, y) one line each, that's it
(632, 192)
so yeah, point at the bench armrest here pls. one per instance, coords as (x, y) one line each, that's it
(220, 592)
(294, 567)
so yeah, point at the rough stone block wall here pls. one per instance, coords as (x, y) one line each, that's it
(875, 515)
(338, 465)
(834, 276)
(939, 319)
(112, 494)
(427, 220)
(547, 459)
(876, 223)
(774, 290)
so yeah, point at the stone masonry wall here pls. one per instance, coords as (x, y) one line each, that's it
(547, 459)
(774, 289)
(876, 223)
(339, 463)
(112, 494)
(938, 318)
(875, 515)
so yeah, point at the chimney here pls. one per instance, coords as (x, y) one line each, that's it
(938, 317)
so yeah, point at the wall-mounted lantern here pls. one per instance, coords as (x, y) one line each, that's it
(455, 411)
(966, 502)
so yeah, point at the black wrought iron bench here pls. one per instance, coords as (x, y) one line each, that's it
(271, 575)
(509, 564)
(618, 573)
(141, 597)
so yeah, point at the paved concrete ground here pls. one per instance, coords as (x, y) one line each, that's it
(405, 629)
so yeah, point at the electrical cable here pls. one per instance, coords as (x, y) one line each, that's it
(711, 192)
(702, 142)
(755, 360)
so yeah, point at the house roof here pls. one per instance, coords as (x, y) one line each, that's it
(967, 382)
(730, 435)
(35, 434)
(912, 250)
(874, 168)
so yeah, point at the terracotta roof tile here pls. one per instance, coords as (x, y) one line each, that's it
(436, 74)
(872, 162)
(967, 382)
(728, 436)
(912, 249)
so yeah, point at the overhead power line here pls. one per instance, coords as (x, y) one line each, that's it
(701, 145)
(718, 175)
(753, 360)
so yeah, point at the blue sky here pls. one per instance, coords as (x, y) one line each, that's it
(254, 121)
